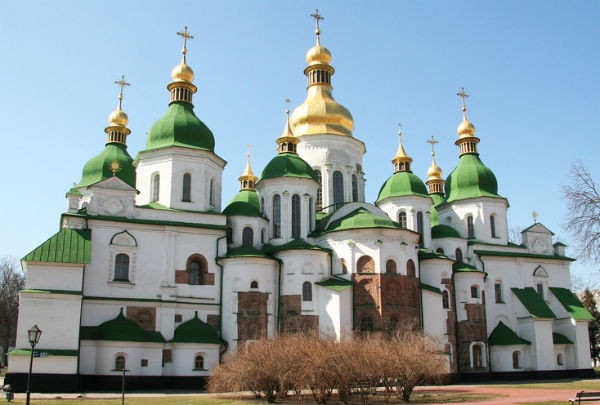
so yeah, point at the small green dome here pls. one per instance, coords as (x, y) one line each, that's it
(361, 218)
(443, 231)
(470, 179)
(120, 329)
(114, 158)
(196, 331)
(244, 203)
(433, 212)
(288, 165)
(180, 127)
(402, 184)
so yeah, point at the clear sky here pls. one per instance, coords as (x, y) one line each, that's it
(531, 69)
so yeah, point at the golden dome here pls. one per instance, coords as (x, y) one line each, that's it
(318, 55)
(182, 73)
(321, 114)
(118, 118)
(434, 172)
(401, 155)
(465, 128)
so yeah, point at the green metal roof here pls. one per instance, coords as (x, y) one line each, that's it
(533, 302)
(295, 244)
(146, 221)
(462, 267)
(100, 168)
(361, 218)
(158, 206)
(196, 331)
(438, 198)
(519, 254)
(120, 329)
(428, 254)
(180, 127)
(66, 246)
(335, 284)
(559, 339)
(470, 179)
(571, 303)
(288, 165)
(67, 292)
(49, 352)
(443, 231)
(246, 251)
(431, 288)
(502, 335)
(402, 184)
(245, 203)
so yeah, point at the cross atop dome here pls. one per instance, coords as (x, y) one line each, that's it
(317, 17)
(122, 83)
(463, 95)
(432, 142)
(186, 35)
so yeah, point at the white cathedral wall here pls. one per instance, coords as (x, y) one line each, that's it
(434, 316)
(501, 358)
(43, 365)
(449, 245)
(184, 355)
(98, 357)
(239, 222)
(463, 282)
(411, 205)
(53, 276)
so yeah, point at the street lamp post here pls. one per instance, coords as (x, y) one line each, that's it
(123, 370)
(34, 337)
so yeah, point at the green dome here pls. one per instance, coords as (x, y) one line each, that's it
(288, 165)
(180, 127)
(470, 179)
(101, 167)
(361, 218)
(120, 329)
(433, 212)
(443, 231)
(244, 203)
(402, 184)
(196, 331)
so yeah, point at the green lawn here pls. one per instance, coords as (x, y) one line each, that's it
(587, 385)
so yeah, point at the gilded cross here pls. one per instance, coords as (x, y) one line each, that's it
(122, 83)
(287, 102)
(463, 95)
(186, 35)
(317, 17)
(248, 154)
(535, 215)
(400, 131)
(432, 142)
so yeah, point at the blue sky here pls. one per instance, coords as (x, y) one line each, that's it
(531, 69)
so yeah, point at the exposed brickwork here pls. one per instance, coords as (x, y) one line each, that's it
(252, 318)
(471, 330)
(214, 321)
(291, 318)
(365, 264)
(208, 278)
(451, 323)
(391, 300)
(181, 276)
(143, 316)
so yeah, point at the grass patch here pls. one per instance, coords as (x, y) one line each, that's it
(577, 385)
(545, 403)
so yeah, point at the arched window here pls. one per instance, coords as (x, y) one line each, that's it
(445, 299)
(440, 251)
(211, 191)
(366, 324)
(420, 223)
(296, 216)
(320, 190)
(474, 291)
(262, 236)
(186, 195)
(307, 291)
(197, 270)
(390, 266)
(120, 362)
(262, 205)
(354, 188)
(247, 236)
(410, 268)
(498, 292)
(458, 255)
(402, 220)
(365, 264)
(344, 266)
(254, 284)
(276, 216)
(477, 356)
(311, 214)
(470, 227)
(493, 225)
(539, 287)
(155, 187)
(515, 358)
(122, 267)
(338, 188)
(198, 362)
(559, 359)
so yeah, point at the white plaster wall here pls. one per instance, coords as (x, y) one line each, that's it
(329, 311)
(411, 205)
(501, 358)
(434, 316)
(184, 355)
(43, 365)
(238, 223)
(463, 283)
(105, 352)
(62, 276)
(582, 346)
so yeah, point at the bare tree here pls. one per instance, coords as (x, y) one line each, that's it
(11, 281)
(514, 235)
(583, 221)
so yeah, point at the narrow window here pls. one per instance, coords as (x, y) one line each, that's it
(247, 237)
(211, 190)
(354, 188)
(276, 216)
(194, 273)
(365, 264)
(515, 359)
(338, 188)
(319, 191)
(410, 268)
(199, 363)
(306, 291)
(470, 227)
(420, 227)
(498, 292)
(559, 359)
(120, 363)
(122, 267)
(477, 356)
(187, 188)
(366, 324)
(402, 219)
(445, 299)
(540, 289)
(493, 225)
(458, 254)
(197, 270)
(344, 267)
(440, 251)
(254, 284)
(155, 187)
(144, 363)
(262, 205)
(296, 216)
(474, 291)
(390, 266)
(262, 236)
(311, 214)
